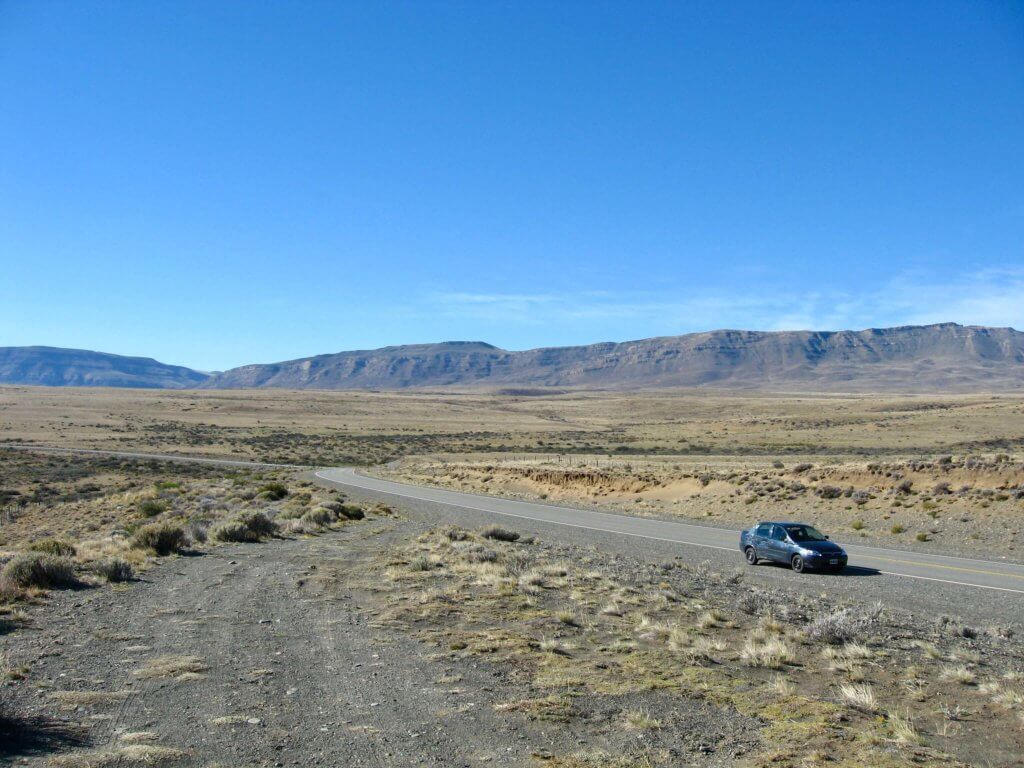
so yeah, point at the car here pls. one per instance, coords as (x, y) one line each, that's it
(798, 545)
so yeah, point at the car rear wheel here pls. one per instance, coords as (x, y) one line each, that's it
(798, 563)
(751, 554)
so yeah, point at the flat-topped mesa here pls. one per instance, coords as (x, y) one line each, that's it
(929, 358)
(942, 357)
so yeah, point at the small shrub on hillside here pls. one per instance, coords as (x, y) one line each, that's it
(454, 533)
(249, 527)
(352, 512)
(274, 491)
(857, 525)
(347, 511)
(319, 516)
(757, 602)
(800, 468)
(829, 491)
(40, 569)
(842, 626)
(113, 569)
(475, 553)
(197, 532)
(259, 523)
(161, 538)
(421, 563)
(499, 534)
(9, 591)
(151, 508)
(233, 530)
(54, 547)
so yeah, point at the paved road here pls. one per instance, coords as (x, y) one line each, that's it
(981, 591)
(962, 572)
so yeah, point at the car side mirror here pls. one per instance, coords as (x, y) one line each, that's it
(826, 538)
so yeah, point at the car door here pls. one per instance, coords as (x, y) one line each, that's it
(778, 545)
(762, 539)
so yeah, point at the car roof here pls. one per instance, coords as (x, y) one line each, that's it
(782, 522)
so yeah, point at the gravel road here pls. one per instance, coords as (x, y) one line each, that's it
(287, 668)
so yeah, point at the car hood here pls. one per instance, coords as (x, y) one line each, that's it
(825, 547)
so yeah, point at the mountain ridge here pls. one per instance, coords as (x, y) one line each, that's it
(62, 367)
(938, 357)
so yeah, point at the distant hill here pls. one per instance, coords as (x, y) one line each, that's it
(55, 367)
(944, 357)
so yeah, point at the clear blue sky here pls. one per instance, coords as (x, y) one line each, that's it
(216, 183)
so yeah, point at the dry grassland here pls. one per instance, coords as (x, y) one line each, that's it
(697, 663)
(331, 428)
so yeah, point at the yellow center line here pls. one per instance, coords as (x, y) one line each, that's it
(944, 567)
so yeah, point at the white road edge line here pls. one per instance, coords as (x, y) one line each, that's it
(637, 535)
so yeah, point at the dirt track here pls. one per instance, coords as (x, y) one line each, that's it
(290, 653)
(324, 686)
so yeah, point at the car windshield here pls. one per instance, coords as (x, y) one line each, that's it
(804, 533)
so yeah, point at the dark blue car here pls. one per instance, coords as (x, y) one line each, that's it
(798, 545)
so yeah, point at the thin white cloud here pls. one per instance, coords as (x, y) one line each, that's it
(990, 297)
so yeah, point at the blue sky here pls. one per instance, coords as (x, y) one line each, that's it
(217, 183)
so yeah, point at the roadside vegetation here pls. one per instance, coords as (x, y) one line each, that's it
(87, 522)
(817, 683)
(951, 503)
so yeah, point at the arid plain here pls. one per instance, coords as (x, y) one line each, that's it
(925, 471)
(216, 616)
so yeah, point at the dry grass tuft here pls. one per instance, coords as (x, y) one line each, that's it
(959, 674)
(902, 728)
(639, 720)
(549, 708)
(136, 737)
(859, 696)
(122, 757)
(759, 651)
(178, 667)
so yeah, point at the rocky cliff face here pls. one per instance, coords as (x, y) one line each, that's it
(935, 357)
(55, 367)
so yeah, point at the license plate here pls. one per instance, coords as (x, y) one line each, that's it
(833, 562)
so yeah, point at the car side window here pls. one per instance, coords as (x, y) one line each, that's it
(778, 533)
(763, 530)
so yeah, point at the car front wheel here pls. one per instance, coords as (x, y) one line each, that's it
(798, 563)
(751, 555)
